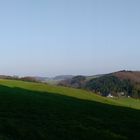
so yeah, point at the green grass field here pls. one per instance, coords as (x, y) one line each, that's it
(33, 111)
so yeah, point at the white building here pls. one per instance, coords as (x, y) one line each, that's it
(109, 95)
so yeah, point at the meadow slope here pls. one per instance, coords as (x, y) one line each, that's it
(40, 111)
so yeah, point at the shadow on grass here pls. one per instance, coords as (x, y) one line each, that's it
(27, 115)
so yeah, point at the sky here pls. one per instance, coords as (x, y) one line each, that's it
(60, 37)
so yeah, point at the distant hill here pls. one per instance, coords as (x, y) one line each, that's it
(8, 77)
(51, 80)
(119, 84)
(133, 76)
(26, 78)
(122, 83)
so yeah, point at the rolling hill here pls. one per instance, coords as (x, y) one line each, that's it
(126, 83)
(133, 76)
(39, 111)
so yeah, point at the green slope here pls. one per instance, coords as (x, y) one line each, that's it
(43, 112)
(72, 92)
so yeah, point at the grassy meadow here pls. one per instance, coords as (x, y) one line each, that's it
(45, 112)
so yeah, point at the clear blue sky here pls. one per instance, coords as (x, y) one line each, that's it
(52, 37)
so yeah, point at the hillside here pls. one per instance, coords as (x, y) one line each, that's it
(122, 83)
(133, 76)
(39, 111)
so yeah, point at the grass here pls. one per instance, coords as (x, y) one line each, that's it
(43, 112)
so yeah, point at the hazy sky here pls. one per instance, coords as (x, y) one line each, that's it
(52, 37)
